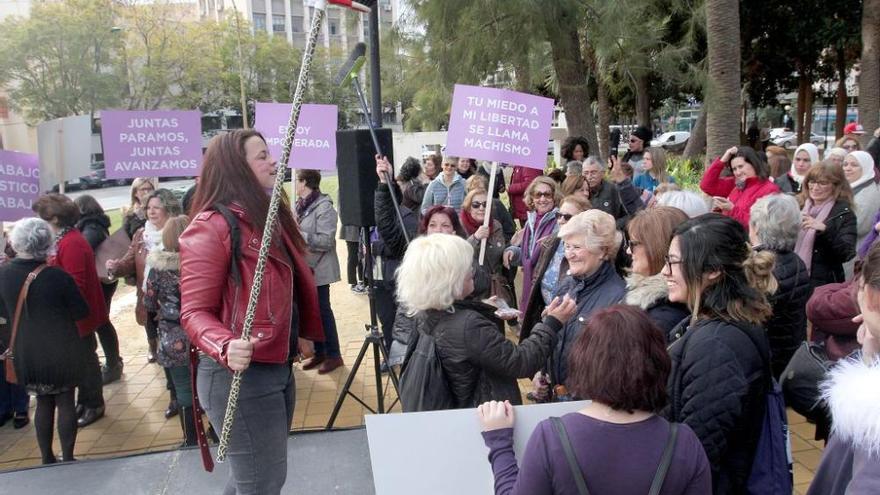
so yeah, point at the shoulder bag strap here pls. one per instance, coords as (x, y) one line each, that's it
(22, 296)
(569, 455)
(665, 460)
(234, 238)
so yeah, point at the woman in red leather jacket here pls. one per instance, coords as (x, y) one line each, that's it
(748, 182)
(215, 284)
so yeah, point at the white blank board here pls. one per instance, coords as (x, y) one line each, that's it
(442, 452)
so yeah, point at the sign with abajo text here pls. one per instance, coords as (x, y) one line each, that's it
(314, 142)
(499, 125)
(19, 184)
(162, 143)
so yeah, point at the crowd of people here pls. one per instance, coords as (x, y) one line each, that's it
(673, 310)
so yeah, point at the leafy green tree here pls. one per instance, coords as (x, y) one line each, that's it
(58, 61)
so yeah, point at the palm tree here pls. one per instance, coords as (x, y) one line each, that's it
(723, 91)
(869, 80)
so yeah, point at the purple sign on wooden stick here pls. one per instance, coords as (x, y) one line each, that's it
(499, 125)
(164, 143)
(314, 143)
(19, 184)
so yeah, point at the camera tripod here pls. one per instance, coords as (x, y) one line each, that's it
(374, 340)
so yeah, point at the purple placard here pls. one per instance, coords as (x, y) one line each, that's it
(163, 143)
(19, 184)
(499, 125)
(314, 143)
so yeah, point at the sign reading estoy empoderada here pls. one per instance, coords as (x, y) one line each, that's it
(163, 143)
(499, 125)
(314, 142)
(19, 184)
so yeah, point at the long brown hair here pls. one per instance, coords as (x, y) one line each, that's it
(227, 178)
(833, 174)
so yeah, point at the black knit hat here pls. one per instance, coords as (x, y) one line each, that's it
(643, 133)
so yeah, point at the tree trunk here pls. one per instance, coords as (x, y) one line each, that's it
(723, 91)
(571, 71)
(604, 119)
(869, 80)
(697, 142)
(801, 105)
(643, 101)
(840, 104)
(808, 111)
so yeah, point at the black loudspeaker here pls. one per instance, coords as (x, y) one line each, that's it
(356, 167)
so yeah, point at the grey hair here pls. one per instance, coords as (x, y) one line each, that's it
(687, 201)
(776, 221)
(33, 238)
(574, 167)
(592, 160)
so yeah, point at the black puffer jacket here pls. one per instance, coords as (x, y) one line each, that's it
(391, 244)
(480, 363)
(787, 328)
(94, 228)
(834, 246)
(718, 387)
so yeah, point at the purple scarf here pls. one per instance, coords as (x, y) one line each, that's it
(807, 237)
(302, 204)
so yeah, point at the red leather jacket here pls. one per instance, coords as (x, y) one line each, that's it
(213, 306)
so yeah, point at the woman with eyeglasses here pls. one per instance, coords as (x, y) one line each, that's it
(472, 216)
(733, 196)
(828, 233)
(447, 189)
(650, 232)
(720, 356)
(542, 200)
(849, 142)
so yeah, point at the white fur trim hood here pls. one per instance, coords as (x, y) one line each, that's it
(159, 259)
(644, 291)
(853, 394)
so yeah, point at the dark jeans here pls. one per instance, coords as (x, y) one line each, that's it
(91, 388)
(258, 441)
(355, 267)
(13, 398)
(107, 332)
(181, 379)
(386, 309)
(330, 346)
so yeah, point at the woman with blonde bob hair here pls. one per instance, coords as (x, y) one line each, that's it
(479, 363)
(135, 215)
(591, 242)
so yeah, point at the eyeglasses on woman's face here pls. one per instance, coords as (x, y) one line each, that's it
(542, 194)
(565, 216)
(670, 262)
(477, 205)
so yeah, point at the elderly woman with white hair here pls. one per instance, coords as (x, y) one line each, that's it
(49, 356)
(774, 225)
(691, 203)
(591, 244)
(478, 361)
(805, 156)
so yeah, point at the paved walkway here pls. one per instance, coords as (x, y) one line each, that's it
(135, 421)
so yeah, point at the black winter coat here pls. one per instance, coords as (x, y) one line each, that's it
(787, 328)
(834, 246)
(480, 363)
(94, 228)
(597, 291)
(718, 387)
(48, 349)
(391, 244)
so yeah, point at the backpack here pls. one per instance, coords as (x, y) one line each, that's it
(771, 472)
(423, 385)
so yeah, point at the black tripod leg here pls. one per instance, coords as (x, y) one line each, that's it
(345, 388)
(380, 394)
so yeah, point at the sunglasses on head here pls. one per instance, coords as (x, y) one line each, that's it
(478, 204)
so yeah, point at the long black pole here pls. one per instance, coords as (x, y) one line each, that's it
(375, 79)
